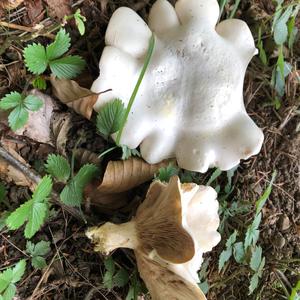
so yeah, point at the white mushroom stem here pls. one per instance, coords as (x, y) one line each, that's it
(109, 236)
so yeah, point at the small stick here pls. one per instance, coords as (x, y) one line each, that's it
(16, 26)
(6, 156)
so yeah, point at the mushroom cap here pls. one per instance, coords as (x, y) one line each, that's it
(190, 103)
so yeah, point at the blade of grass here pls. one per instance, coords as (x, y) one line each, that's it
(137, 86)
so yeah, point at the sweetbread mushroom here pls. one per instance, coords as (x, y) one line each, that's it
(190, 103)
(172, 229)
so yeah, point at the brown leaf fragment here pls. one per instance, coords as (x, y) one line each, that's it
(69, 92)
(38, 126)
(123, 175)
(61, 123)
(10, 4)
(59, 8)
(84, 156)
(35, 11)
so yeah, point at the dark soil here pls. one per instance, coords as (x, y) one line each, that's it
(74, 270)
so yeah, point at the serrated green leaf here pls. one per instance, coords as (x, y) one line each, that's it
(110, 270)
(121, 278)
(35, 58)
(261, 267)
(256, 258)
(252, 233)
(67, 67)
(39, 249)
(253, 283)
(109, 118)
(11, 100)
(224, 257)
(265, 196)
(85, 175)
(231, 240)
(6, 278)
(60, 45)
(10, 292)
(18, 270)
(204, 287)
(36, 219)
(39, 83)
(58, 167)
(239, 252)
(127, 152)
(17, 118)
(33, 103)
(17, 218)
(43, 189)
(38, 262)
(165, 174)
(110, 265)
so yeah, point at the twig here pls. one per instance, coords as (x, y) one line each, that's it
(7, 157)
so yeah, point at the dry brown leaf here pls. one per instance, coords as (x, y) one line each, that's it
(9, 173)
(69, 92)
(10, 4)
(61, 123)
(35, 11)
(59, 8)
(38, 126)
(84, 156)
(123, 175)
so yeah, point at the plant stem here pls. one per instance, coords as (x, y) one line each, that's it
(137, 86)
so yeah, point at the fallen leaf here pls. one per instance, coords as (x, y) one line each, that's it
(61, 123)
(35, 11)
(8, 172)
(120, 177)
(38, 126)
(84, 156)
(10, 4)
(69, 92)
(59, 8)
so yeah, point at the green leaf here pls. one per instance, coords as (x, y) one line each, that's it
(18, 271)
(121, 278)
(214, 176)
(109, 118)
(252, 233)
(35, 58)
(39, 249)
(231, 240)
(38, 262)
(265, 196)
(110, 270)
(18, 118)
(127, 152)
(43, 189)
(39, 83)
(36, 219)
(60, 45)
(224, 257)
(253, 283)
(33, 103)
(17, 218)
(67, 67)
(10, 292)
(204, 286)
(280, 62)
(239, 252)
(256, 258)
(79, 20)
(6, 278)
(11, 100)
(280, 33)
(110, 265)
(165, 174)
(72, 192)
(58, 167)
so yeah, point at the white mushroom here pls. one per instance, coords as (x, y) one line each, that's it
(172, 229)
(190, 103)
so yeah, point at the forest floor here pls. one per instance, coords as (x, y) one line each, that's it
(74, 270)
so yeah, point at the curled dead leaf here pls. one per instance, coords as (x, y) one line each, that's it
(74, 96)
(38, 126)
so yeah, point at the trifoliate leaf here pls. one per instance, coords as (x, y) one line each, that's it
(38, 262)
(165, 174)
(10, 100)
(58, 167)
(18, 271)
(10, 292)
(67, 67)
(110, 117)
(39, 83)
(60, 46)
(33, 103)
(72, 194)
(35, 58)
(256, 259)
(17, 118)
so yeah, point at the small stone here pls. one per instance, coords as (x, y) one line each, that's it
(284, 223)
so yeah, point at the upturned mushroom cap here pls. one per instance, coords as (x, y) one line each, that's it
(172, 229)
(190, 103)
